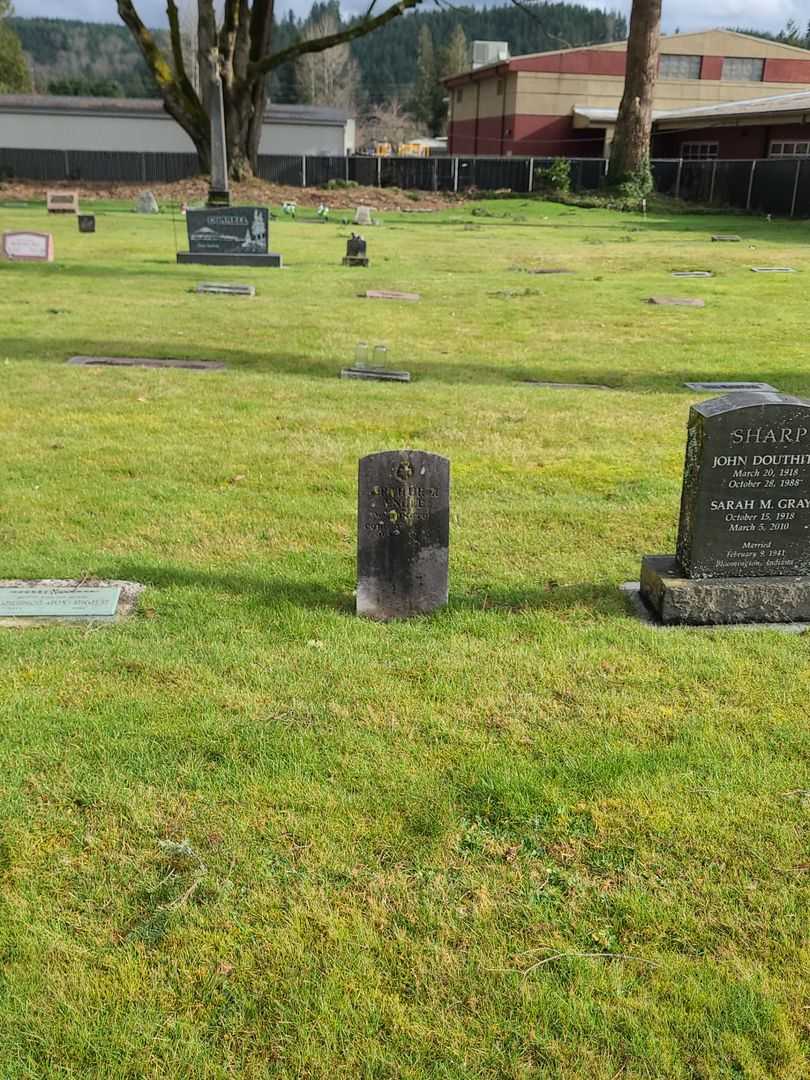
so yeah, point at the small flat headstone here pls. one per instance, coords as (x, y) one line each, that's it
(403, 532)
(62, 202)
(676, 301)
(224, 289)
(730, 387)
(87, 223)
(727, 238)
(692, 273)
(28, 246)
(565, 385)
(550, 270)
(146, 203)
(387, 294)
(145, 361)
(773, 270)
(25, 603)
(380, 374)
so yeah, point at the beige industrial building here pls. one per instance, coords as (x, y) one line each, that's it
(564, 103)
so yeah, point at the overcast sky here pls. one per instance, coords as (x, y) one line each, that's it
(678, 14)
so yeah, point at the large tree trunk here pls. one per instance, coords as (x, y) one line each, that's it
(630, 152)
(239, 53)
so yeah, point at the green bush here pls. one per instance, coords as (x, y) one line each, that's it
(555, 178)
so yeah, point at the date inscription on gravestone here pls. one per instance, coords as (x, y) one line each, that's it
(403, 528)
(239, 230)
(42, 601)
(745, 507)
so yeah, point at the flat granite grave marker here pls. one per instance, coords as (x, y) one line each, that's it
(730, 386)
(225, 289)
(229, 236)
(378, 374)
(692, 273)
(144, 361)
(388, 294)
(87, 223)
(565, 385)
(743, 552)
(727, 238)
(773, 270)
(676, 301)
(62, 202)
(403, 534)
(28, 246)
(50, 601)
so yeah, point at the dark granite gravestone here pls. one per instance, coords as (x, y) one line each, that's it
(228, 236)
(355, 251)
(87, 223)
(743, 552)
(403, 532)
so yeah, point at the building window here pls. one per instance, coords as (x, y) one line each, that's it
(699, 151)
(743, 69)
(789, 149)
(459, 96)
(679, 67)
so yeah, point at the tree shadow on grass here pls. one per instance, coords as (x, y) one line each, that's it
(261, 592)
(589, 598)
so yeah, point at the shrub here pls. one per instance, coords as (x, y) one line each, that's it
(555, 178)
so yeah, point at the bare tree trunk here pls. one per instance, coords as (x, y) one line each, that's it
(630, 152)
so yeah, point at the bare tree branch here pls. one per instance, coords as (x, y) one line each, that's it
(359, 29)
(177, 52)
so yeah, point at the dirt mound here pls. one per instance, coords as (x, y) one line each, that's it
(252, 191)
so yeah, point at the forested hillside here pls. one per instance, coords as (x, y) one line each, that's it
(68, 56)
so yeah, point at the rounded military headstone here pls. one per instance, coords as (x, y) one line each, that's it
(745, 507)
(403, 532)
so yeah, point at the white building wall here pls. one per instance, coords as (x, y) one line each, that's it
(157, 133)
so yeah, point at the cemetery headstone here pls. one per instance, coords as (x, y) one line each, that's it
(146, 203)
(144, 361)
(773, 270)
(356, 254)
(229, 236)
(62, 202)
(675, 301)
(53, 602)
(403, 534)
(87, 223)
(727, 238)
(362, 216)
(388, 294)
(28, 246)
(730, 386)
(743, 552)
(224, 289)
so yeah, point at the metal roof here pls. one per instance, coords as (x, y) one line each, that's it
(98, 106)
(796, 101)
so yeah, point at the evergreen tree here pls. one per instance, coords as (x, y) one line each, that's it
(428, 97)
(456, 56)
(15, 78)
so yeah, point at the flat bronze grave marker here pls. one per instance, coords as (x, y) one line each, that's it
(676, 301)
(145, 361)
(224, 289)
(389, 294)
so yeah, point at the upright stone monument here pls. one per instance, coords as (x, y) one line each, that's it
(356, 251)
(743, 552)
(362, 216)
(231, 236)
(218, 193)
(403, 532)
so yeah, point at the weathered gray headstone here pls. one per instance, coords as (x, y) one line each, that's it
(403, 532)
(146, 203)
(743, 552)
(362, 216)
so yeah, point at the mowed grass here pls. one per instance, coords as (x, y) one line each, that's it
(246, 834)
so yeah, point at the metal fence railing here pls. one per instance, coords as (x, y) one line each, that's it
(771, 186)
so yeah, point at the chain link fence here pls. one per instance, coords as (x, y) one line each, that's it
(780, 187)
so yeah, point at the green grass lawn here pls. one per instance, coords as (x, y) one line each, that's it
(249, 835)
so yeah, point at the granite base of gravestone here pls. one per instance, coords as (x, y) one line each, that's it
(230, 236)
(54, 602)
(743, 552)
(87, 223)
(403, 533)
